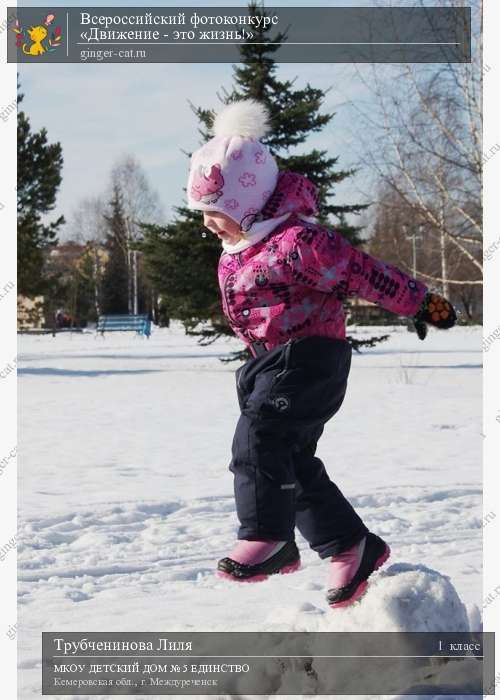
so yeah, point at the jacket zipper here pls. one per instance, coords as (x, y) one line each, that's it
(238, 381)
(228, 305)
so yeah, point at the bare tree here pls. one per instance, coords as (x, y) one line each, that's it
(140, 205)
(87, 227)
(402, 239)
(421, 139)
(87, 221)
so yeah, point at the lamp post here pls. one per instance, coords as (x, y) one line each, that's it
(132, 273)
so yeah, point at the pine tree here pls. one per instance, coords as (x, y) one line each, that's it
(39, 166)
(295, 114)
(182, 267)
(181, 263)
(115, 277)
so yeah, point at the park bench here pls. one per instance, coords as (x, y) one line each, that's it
(141, 324)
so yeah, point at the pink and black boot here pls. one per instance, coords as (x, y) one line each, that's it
(350, 570)
(255, 560)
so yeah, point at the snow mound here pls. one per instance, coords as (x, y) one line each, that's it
(404, 598)
(401, 598)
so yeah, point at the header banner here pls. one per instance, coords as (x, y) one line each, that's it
(217, 34)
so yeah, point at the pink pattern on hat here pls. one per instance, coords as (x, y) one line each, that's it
(231, 204)
(260, 157)
(237, 155)
(248, 179)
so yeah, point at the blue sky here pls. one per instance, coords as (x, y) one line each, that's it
(101, 112)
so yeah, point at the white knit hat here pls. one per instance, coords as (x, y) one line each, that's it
(234, 173)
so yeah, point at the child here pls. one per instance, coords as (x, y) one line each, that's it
(283, 279)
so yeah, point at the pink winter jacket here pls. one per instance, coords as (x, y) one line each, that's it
(292, 284)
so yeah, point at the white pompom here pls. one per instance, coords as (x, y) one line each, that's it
(247, 118)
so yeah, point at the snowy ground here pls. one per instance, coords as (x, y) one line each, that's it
(126, 500)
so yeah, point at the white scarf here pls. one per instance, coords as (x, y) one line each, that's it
(260, 229)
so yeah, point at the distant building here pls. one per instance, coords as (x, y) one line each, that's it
(363, 312)
(70, 250)
(65, 256)
(61, 260)
(30, 312)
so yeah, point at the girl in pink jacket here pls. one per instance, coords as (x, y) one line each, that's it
(283, 280)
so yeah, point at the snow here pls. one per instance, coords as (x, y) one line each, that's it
(126, 501)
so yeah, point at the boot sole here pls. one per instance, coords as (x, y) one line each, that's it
(361, 589)
(288, 569)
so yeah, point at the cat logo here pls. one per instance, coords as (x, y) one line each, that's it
(36, 41)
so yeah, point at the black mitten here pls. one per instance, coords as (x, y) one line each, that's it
(435, 310)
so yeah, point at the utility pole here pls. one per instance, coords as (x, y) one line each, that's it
(443, 198)
(97, 276)
(129, 268)
(442, 242)
(413, 237)
(134, 258)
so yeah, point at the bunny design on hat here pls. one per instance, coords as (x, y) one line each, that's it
(207, 184)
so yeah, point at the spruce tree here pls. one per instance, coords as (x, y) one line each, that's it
(180, 261)
(182, 267)
(39, 165)
(115, 277)
(295, 114)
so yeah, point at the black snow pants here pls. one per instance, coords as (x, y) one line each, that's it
(286, 396)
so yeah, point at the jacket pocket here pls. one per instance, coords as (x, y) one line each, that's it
(293, 381)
